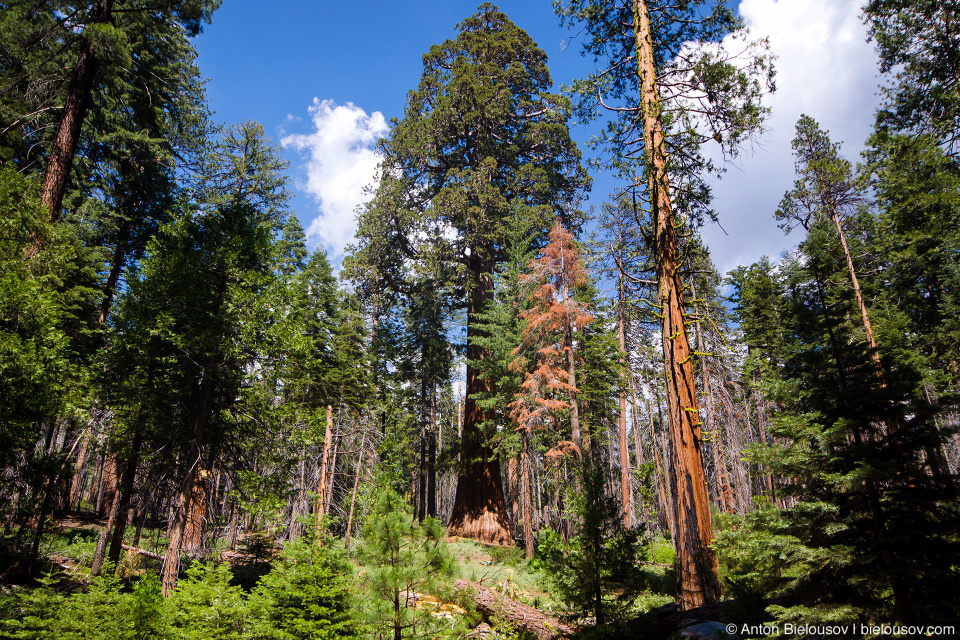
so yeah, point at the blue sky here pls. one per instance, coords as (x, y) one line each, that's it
(324, 79)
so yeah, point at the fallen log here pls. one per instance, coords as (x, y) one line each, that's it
(491, 603)
(143, 552)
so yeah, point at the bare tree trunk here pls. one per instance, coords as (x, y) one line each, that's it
(626, 493)
(332, 471)
(100, 551)
(234, 524)
(666, 494)
(432, 456)
(526, 503)
(353, 497)
(123, 498)
(696, 566)
(324, 467)
(513, 490)
(198, 514)
(80, 471)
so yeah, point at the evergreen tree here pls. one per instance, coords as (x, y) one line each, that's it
(405, 559)
(688, 95)
(480, 135)
(874, 530)
(917, 43)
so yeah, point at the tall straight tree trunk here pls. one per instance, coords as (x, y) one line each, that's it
(526, 468)
(422, 465)
(696, 566)
(71, 121)
(126, 493)
(324, 467)
(116, 267)
(479, 509)
(100, 551)
(80, 470)
(432, 456)
(626, 494)
(199, 512)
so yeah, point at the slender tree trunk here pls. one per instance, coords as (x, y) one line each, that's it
(432, 456)
(353, 497)
(324, 467)
(116, 267)
(332, 471)
(696, 566)
(126, 493)
(526, 468)
(100, 551)
(234, 524)
(80, 471)
(422, 466)
(666, 494)
(71, 121)
(626, 494)
(861, 305)
(513, 491)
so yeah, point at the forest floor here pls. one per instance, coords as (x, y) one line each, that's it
(69, 544)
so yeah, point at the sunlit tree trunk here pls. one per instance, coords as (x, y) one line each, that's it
(696, 566)
(625, 488)
(71, 120)
(325, 467)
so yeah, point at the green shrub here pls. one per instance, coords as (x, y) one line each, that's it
(306, 595)
(206, 606)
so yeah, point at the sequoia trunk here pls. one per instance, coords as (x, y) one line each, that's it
(479, 508)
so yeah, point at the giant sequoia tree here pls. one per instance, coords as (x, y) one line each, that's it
(480, 136)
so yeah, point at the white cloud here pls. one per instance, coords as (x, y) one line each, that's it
(340, 162)
(825, 69)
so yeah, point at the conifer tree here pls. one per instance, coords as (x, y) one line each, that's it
(405, 559)
(659, 133)
(480, 136)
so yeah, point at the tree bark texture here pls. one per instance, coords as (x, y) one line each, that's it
(696, 566)
(479, 508)
(533, 621)
(526, 469)
(325, 467)
(198, 514)
(353, 496)
(71, 121)
(100, 551)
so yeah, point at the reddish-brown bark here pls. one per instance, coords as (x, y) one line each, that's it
(71, 121)
(697, 583)
(479, 508)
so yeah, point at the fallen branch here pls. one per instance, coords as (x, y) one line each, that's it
(143, 552)
(490, 603)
